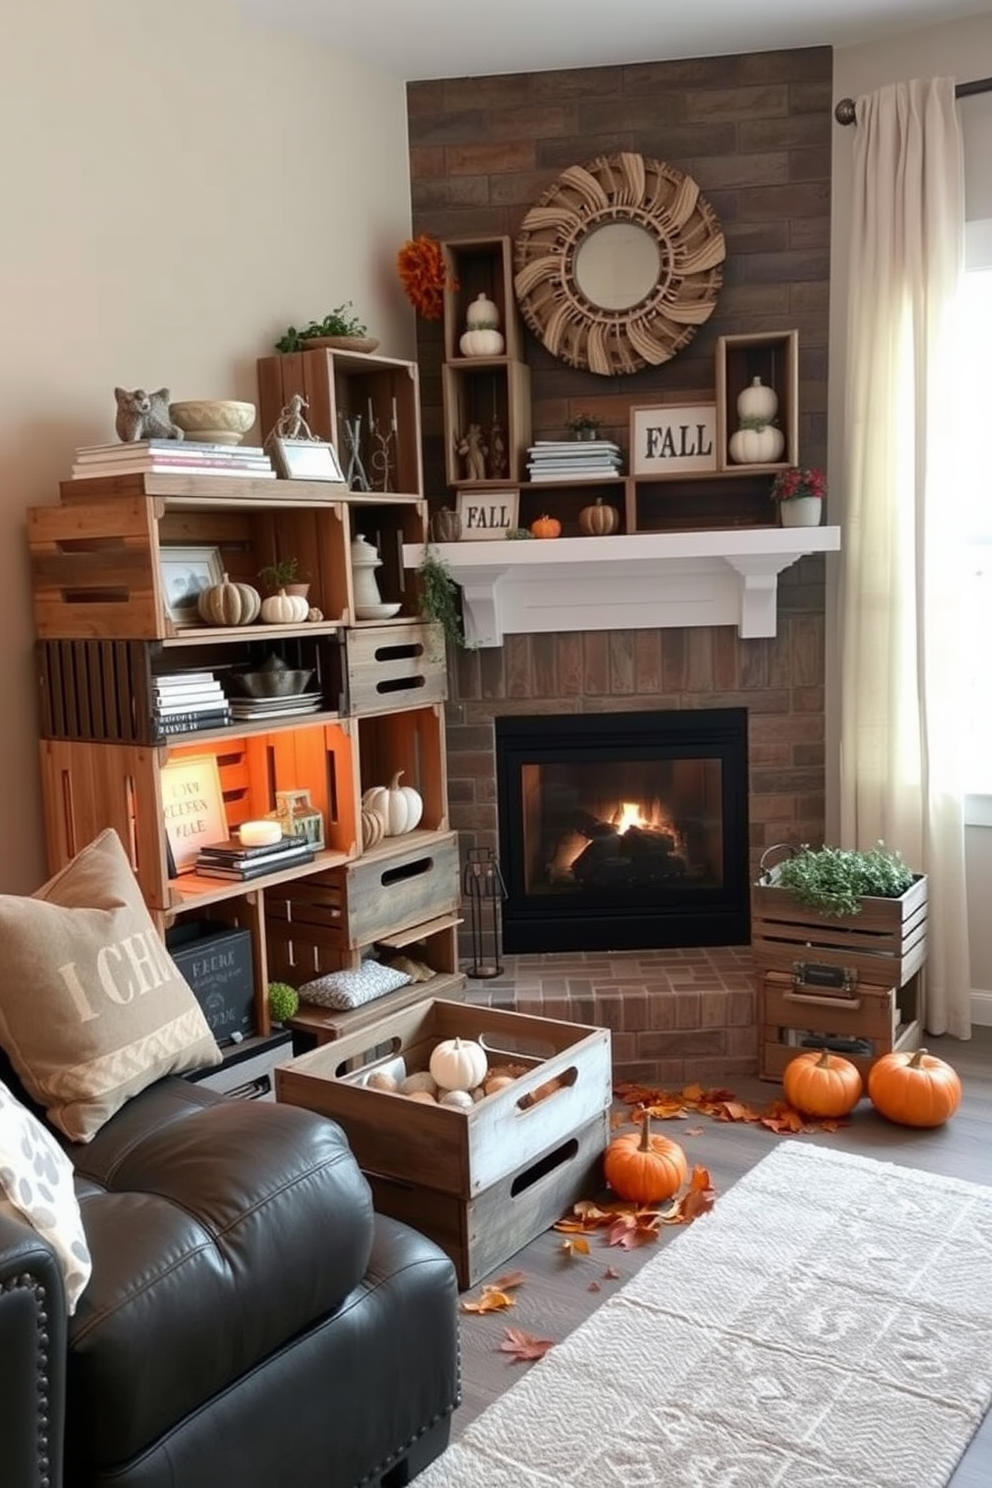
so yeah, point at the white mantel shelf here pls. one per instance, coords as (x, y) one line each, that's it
(643, 581)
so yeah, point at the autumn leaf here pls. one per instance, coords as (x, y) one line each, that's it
(611, 1274)
(511, 1279)
(524, 1346)
(720, 1105)
(594, 1286)
(490, 1300)
(632, 1230)
(578, 1246)
(694, 1131)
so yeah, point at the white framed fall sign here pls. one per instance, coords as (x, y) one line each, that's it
(487, 514)
(193, 808)
(673, 439)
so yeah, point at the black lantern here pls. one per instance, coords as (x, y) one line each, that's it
(483, 887)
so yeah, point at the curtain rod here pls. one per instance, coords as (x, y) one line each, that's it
(844, 112)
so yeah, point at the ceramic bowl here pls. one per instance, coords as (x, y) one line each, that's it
(289, 682)
(213, 420)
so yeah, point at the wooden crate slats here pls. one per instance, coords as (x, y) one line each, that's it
(395, 666)
(886, 930)
(393, 887)
(886, 1017)
(95, 690)
(412, 741)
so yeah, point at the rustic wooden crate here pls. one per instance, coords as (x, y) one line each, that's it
(395, 666)
(441, 1149)
(95, 565)
(411, 740)
(88, 787)
(433, 944)
(400, 883)
(103, 691)
(793, 1016)
(482, 1233)
(884, 945)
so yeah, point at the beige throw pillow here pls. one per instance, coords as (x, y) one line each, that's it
(92, 1007)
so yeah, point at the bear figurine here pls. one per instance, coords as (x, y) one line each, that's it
(142, 415)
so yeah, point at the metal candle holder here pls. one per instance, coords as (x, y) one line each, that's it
(355, 476)
(483, 887)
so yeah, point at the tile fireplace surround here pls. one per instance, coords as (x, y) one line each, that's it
(675, 1016)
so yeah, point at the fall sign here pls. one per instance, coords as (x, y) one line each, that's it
(487, 516)
(673, 439)
(192, 808)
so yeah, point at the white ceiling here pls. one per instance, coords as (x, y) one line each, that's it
(415, 39)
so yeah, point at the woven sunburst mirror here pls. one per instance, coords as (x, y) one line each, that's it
(618, 264)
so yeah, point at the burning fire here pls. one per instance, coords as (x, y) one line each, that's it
(653, 818)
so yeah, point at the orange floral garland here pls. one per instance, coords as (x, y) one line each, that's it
(424, 275)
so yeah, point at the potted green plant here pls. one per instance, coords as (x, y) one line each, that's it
(584, 426)
(341, 329)
(834, 881)
(286, 574)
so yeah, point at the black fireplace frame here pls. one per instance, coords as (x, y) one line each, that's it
(701, 917)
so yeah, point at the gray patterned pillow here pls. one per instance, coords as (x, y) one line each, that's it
(36, 1179)
(353, 987)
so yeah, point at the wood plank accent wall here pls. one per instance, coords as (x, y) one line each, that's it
(755, 131)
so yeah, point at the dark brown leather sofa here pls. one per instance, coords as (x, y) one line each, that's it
(249, 1322)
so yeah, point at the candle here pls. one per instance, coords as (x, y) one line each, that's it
(260, 833)
(371, 420)
(394, 424)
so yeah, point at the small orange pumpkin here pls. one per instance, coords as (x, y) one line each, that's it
(820, 1083)
(599, 520)
(546, 527)
(914, 1089)
(644, 1167)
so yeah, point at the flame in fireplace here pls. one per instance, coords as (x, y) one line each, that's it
(646, 818)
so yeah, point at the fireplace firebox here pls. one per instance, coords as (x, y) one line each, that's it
(624, 831)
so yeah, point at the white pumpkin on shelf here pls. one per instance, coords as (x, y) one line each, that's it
(757, 401)
(458, 1064)
(483, 337)
(400, 806)
(756, 443)
(285, 609)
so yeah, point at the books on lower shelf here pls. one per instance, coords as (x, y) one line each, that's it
(559, 459)
(171, 457)
(185, 701)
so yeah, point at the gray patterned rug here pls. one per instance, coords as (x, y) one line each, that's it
(827, 1325)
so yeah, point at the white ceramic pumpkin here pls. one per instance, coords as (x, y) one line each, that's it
(485, 341)
(482, 312)
(458, 1064)
(400, 806)
(285, 609)
(757, 446)
(757, 402)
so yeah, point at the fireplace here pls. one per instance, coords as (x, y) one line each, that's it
(623, 831)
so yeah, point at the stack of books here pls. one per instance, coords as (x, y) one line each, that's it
(569, 459)
(185, 701)
(231, 859)
(171, 457)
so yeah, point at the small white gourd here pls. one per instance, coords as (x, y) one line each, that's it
(484, 341)
(756, 446)
(458, 1064)
(757, 402)
(419, 1080)
(482, 313)
(460, 1099)
(284, 609)
(400, 806)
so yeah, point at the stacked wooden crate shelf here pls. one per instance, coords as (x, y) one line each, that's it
(105, 633)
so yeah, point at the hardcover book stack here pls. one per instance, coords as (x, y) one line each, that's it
(566, 459)
(171, 457)
(185, 701)
(231, 859)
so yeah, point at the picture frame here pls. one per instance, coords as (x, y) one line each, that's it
(192, 809)
(673, 439)
(305, 459)
(184, 573)
(487, 515)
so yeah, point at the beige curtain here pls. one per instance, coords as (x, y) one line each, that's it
(900, 779)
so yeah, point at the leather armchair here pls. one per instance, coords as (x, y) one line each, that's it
(249, 1319)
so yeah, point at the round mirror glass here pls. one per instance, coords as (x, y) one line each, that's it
(617, 265)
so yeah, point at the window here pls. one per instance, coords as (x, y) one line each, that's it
(976, 510)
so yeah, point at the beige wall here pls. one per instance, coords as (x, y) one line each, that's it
(962, 50)
(178, 186)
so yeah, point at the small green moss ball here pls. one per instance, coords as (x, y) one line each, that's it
(284, 1000)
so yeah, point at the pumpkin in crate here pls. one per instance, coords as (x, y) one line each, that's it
(915, 1089)
(645, 1167)
(229, 603)
(599, 520)
(400, 806)
(285, 609)
(822, 1084)
(373, 826)
(458, 1064)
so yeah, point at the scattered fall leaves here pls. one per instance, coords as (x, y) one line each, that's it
(495, 1295)
(631, 1225)
(720, 1105)
(524, 1347)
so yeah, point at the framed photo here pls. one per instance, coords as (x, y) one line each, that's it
(487, 515)
(673, 439)
(305, 459)
(185, 573)
(192, 808)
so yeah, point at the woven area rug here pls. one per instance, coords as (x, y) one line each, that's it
(827, 1325)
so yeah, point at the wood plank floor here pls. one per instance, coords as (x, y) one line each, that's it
(557, 1295)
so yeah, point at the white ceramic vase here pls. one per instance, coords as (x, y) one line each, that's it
(801, 511)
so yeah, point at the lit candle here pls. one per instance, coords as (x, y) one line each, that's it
(260, 833)
(394, 425)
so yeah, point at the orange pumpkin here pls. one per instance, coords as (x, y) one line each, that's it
(546, 527)
(822, 1084)
(644, 1167)
(914, 1089)
(599, 520)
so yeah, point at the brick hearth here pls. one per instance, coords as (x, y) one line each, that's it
(675, 1016)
